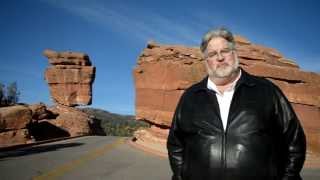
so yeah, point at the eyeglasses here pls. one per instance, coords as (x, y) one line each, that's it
(214, 55)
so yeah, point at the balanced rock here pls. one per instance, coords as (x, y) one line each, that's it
(70, 77)
(163, 72)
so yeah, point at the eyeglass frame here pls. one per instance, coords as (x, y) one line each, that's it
(222, 53)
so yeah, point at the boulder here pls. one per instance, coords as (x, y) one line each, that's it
(39, 112)
(24, 124)
(14, 137)
(71, 120)
(14, 117)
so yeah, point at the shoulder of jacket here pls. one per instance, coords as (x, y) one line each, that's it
(189, 93)
(267, 84)
(261, 81)
(201, 85)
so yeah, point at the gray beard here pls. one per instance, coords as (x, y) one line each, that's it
(223, 72)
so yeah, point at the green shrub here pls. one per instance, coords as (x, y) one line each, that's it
(122, 127)
(115, 124)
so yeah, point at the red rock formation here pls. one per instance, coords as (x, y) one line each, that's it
(29, 123)
(74, 121)
(15, 117)
(70, 77)
(163, 72)
(39, 112)
(14, 137)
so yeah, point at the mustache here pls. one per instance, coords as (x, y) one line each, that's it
(223, 65)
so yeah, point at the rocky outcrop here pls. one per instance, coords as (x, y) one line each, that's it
(70, 77)
(13, 125)
(23, 124)
(163, 72)
(14, 117)
(74, 121)
(14, 137)
(40, 112)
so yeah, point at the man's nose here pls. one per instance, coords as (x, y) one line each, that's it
(220, 57)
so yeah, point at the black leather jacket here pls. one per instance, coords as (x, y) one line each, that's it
(263, 138)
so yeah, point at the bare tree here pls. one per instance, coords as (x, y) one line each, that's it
(2, 94)
(12, 93)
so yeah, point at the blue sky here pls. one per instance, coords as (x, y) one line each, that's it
(114, 33)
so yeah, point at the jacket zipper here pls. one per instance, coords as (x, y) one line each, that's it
(224, 134)
(224, 137)
(223, 154)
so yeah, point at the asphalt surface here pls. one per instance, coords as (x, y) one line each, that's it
(91, 157)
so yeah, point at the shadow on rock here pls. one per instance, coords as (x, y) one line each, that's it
(44, 131)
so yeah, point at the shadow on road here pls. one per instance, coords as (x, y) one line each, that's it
(36, 149)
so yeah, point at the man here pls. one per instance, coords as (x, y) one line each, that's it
(233, 125)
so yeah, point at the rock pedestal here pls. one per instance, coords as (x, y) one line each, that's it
(163, 72)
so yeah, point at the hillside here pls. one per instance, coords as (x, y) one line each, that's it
(112, 124)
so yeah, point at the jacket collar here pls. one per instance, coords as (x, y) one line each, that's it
(245, 79)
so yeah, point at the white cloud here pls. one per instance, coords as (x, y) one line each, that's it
(134, 21)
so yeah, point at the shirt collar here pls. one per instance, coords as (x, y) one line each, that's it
(245, 79)
(212, 86)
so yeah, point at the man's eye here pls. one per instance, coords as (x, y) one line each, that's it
(212, 54)
(225, 51)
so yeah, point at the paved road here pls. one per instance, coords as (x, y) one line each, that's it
(91, 157)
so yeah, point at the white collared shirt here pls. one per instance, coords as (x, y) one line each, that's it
(224, 99)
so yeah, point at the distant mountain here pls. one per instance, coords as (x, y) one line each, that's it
(106, 115)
